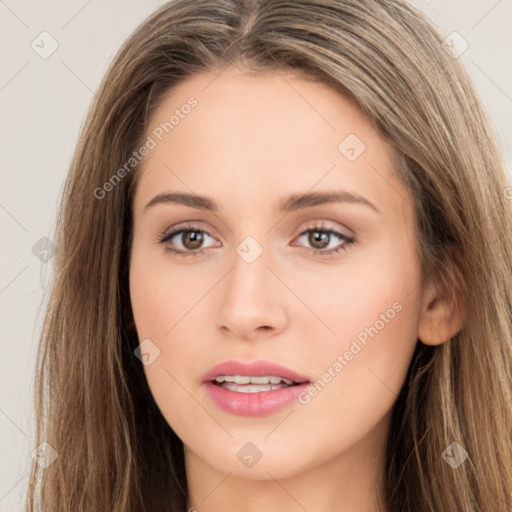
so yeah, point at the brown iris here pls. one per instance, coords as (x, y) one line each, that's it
(192, 239)
(316, 237)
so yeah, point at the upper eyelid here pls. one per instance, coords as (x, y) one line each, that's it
(319, 225)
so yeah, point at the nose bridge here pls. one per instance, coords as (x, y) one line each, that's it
(250, 297)
(249, 273)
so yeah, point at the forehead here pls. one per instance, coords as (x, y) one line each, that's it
(248, 104)
(259, 134)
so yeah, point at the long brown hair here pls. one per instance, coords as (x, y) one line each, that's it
(93, 405)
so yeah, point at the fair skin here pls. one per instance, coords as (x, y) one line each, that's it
(249, 144)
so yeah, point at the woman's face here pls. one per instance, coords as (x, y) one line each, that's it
(272, 272)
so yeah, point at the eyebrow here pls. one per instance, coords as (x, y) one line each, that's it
(290, 204)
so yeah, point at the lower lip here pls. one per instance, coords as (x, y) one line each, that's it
(253, 404)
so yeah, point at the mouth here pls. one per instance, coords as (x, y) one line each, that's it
(254, 388)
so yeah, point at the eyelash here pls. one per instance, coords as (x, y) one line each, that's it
(168, 235)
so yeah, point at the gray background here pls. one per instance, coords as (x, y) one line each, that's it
(43, 105)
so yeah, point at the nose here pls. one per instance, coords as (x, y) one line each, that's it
(252, 303)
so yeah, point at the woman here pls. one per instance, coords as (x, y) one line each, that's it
(283, 273)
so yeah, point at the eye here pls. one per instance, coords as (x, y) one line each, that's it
(320, 237)
(191, 239)
(189, 236)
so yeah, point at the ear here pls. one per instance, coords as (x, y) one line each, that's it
(441, 316)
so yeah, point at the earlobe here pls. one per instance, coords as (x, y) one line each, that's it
(441, 316)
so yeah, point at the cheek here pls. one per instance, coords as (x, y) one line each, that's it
(374, 313)
(162, 294)
(167, 311)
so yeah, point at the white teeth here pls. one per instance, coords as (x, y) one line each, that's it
(243, 379)
(239, 379)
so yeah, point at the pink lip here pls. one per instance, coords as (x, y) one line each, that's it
(253, 404)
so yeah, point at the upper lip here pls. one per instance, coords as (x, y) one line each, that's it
(254, 369)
